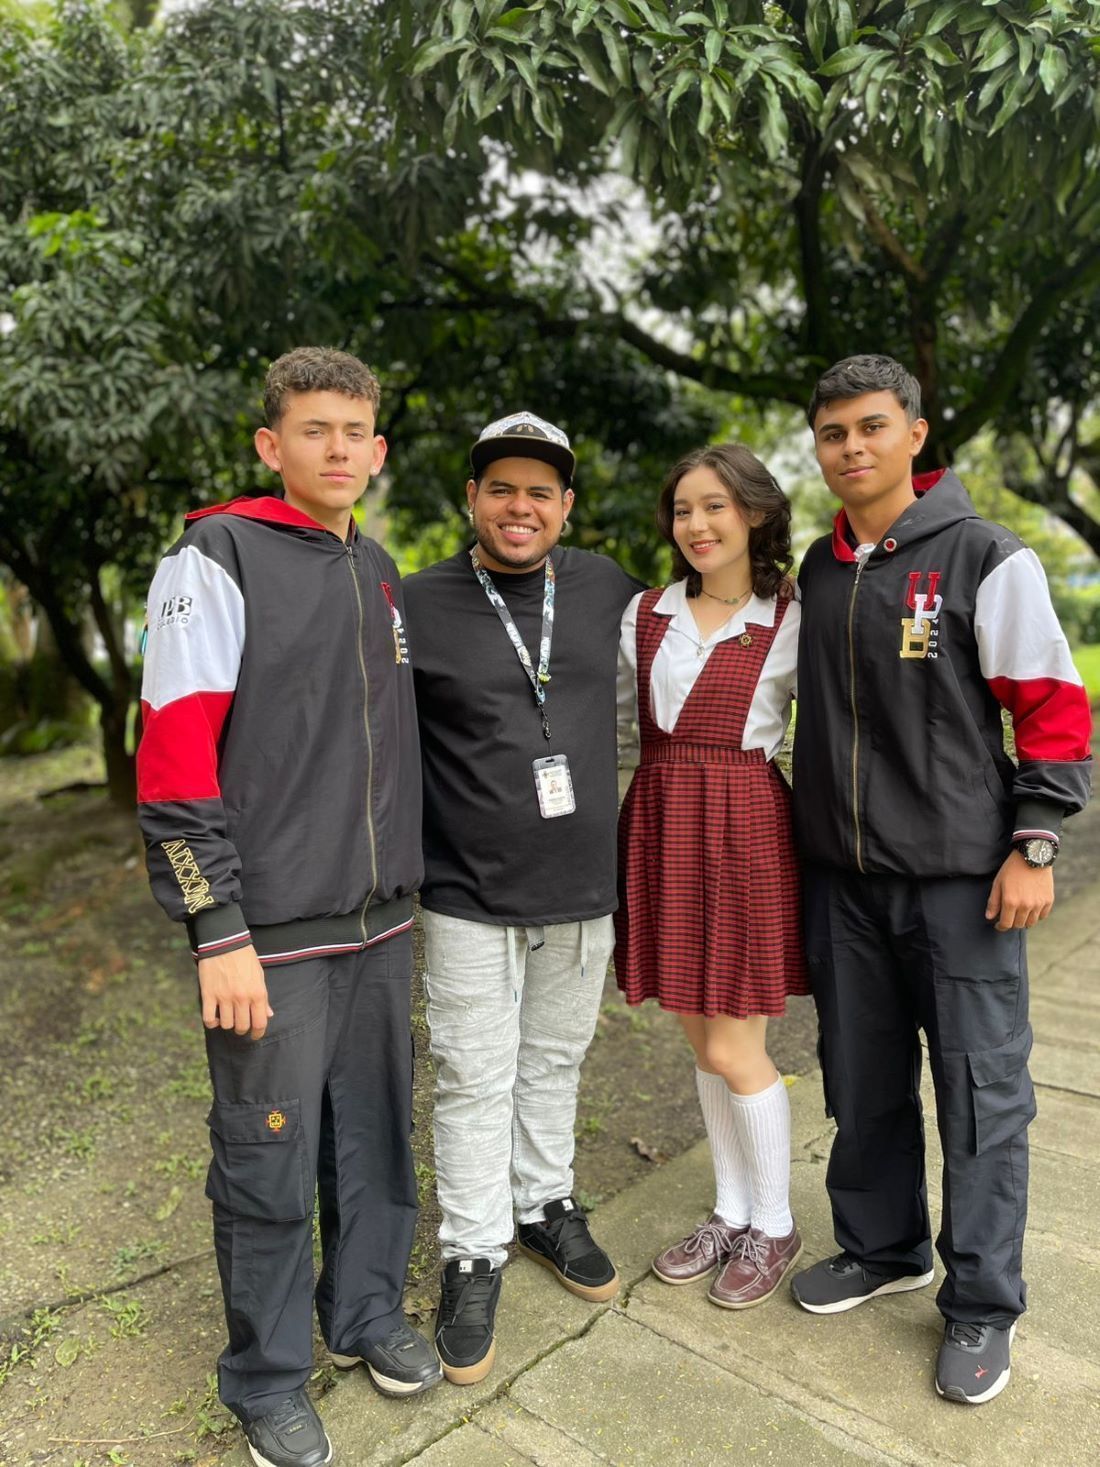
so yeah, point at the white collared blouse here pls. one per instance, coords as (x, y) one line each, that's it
(683, 654)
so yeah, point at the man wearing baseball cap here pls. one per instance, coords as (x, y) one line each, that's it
(516, 640)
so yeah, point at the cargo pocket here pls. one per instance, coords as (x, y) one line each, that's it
(1001, 1091)
(259, 1163)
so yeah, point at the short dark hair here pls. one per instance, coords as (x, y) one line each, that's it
(316, 369)
(756, 494)
(855, 376)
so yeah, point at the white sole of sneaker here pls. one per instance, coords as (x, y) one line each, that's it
(595, 1294)
(994, 1390)
(387, 1384)
(892, 1286)
(262, 1461)
(470, 1374)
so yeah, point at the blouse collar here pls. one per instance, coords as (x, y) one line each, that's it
(758, 610)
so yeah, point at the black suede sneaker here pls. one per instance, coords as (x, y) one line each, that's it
(464, 1323)
(403, 1363)
(974, 1364)
(840, 1283)
(564, 1245)
(289, 1435)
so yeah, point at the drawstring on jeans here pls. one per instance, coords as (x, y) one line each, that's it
(584, 947)
(513, 966)
(536, 938)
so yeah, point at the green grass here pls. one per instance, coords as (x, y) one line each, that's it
(1087, 660)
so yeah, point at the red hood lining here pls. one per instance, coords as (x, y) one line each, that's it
(263, 507)
(842, 530)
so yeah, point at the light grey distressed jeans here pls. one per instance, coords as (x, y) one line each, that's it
(511, 1011)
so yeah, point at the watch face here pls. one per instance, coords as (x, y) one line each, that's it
(1039, 852)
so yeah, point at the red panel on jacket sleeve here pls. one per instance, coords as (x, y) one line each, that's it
(177, 758)
(1050, 718)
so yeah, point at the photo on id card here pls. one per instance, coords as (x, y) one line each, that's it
(554, 786)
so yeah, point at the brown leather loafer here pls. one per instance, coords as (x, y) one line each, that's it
(755, 1269)
(700, 1253)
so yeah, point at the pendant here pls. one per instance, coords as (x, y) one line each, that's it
(746, 640)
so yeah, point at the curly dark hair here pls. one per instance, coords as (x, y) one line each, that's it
(855, 376)
(756, 494)
(316, 369)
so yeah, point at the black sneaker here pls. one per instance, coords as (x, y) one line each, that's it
(464, 1324)
(973, 1364)
(564, 1245)
(840, 1283)
(290, 1435)
(403, 1363)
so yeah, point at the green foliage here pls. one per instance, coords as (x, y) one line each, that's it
(820, 179)
(178, 206)
(624, 215)
(1088, 665)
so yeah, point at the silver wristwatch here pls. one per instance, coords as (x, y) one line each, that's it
(1037, 851)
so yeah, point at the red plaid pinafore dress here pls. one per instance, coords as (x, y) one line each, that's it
(708, 919)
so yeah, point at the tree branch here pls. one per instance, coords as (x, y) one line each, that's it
(914, 272)
(706, 371)
(943, 249)
(1052, 494)
(105, 624)
(1004, 375)
(709, 373)
(67, 636)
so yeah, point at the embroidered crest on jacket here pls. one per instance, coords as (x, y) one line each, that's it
(920, 632)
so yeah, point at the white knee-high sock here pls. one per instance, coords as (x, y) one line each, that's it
(763, 1126)
(733, 1202)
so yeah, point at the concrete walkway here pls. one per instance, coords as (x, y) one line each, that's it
(662, 1377)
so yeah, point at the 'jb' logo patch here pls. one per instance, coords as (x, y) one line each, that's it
(920, 632)
(400, 644)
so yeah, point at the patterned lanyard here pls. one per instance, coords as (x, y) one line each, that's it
(539, 679)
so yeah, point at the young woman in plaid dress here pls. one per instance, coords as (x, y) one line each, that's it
(708, 919)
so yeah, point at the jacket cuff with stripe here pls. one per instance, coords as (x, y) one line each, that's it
(218, 930)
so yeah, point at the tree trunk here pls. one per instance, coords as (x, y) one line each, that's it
(114, 697)
(121, 776)
(115, 707)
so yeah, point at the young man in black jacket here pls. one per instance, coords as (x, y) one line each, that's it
(279, 797)
(928, 853)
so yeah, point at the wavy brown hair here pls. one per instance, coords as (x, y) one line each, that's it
(757, 495)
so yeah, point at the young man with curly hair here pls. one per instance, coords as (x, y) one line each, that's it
(279, 796)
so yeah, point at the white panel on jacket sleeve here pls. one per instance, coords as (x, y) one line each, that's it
(1018, 633)
(196, 629)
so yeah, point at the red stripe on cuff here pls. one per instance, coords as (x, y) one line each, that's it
(1050, 718)
(177, 758)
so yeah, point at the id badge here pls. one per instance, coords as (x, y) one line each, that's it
(554, 786)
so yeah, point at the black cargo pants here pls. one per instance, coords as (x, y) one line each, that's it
(324, 1097)
(889, 956)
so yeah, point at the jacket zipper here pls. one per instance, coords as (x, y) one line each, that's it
(855, 712)
(350, 562)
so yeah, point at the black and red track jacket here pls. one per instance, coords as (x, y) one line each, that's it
(279, 768)
(905, 662)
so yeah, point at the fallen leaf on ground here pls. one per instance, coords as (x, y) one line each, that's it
(169, 1205)
(418, 1309)
(647, 1153)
